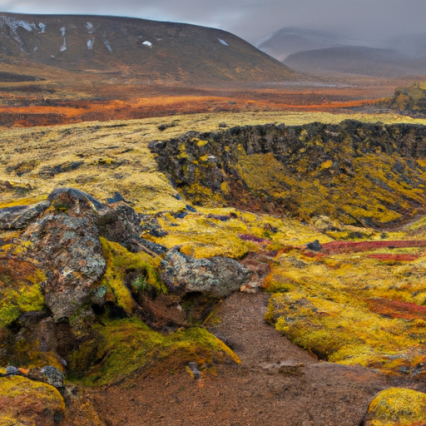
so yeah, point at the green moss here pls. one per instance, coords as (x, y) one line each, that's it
(19, 289)
(119, 263)
(122, 347)
(39, 403)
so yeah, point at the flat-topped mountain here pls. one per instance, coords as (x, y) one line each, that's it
(136, 46)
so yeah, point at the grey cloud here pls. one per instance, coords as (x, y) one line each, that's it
(253, 19)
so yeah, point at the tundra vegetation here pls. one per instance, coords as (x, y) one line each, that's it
(335, 211)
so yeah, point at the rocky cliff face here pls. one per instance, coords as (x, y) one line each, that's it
(358, 173)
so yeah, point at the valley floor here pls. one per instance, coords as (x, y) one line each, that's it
(276, 384)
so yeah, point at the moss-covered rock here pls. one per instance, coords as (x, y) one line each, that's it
(361, 174)
(26, 402)
(122, 347)
(397, 407)
(20, 290)
(128, 273)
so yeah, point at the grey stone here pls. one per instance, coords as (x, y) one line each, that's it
(217, 276)
(54, 376)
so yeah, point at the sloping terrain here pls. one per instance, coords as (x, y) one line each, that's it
(154, 308)
(148, 49)
(356, 60)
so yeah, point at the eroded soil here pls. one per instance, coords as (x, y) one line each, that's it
(276, 383)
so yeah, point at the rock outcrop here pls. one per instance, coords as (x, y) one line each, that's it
(216, 277)
(360, 174)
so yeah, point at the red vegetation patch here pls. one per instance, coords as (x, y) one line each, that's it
(337, 247)
(246, 237)
(394, 257)
(395, 309)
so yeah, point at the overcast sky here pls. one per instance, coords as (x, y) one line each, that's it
(254, 19)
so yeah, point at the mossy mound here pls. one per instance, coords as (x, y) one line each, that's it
(25, 402)
(19, 289)
(121, 347)
(139, 269)
(397, 407)
(365, 308)
(412, 99)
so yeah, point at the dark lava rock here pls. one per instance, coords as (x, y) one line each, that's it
(116, 198)
(19, 217)
(65, 243)
(216, 277)
(315, 246)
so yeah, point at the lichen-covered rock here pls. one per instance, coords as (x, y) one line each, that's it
(217, 276)
(53, 376)
(121, 224)
(27, 402)
(20, 216)
(397, 407)
(65, 242)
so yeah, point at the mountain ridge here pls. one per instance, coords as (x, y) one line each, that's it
(136, 46)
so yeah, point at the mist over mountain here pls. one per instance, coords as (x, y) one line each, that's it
(319, 52)
(289, 40)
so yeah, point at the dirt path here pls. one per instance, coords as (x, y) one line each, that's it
(276, 384)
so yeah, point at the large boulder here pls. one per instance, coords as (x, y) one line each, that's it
(216, 277)
(64, 241)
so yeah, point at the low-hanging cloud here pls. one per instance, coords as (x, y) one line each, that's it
(253, 19)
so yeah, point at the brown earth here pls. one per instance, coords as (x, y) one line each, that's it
(276, 383)
(60, 96)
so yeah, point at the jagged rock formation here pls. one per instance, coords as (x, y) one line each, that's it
(358, 173)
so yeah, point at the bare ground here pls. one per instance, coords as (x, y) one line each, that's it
(276, 383)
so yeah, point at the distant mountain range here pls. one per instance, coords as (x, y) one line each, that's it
(358, 60)
(320, 53)
(135, 46)
(289, 40)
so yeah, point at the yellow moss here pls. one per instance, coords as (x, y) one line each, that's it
(120, 261)
(326, 165)
(398, 407)
(129, 345)
(30, 299)
(28, 393)
(19, 290)
(352, 309)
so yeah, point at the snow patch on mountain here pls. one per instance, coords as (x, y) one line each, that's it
(90, 28)
(107, 45)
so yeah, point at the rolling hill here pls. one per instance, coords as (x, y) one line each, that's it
(135, 47)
